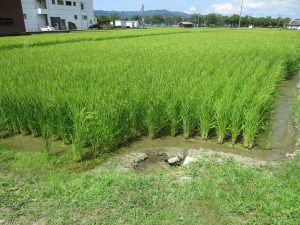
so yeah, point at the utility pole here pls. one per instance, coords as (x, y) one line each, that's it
(279, 20)
(142, 14)
(241, 13)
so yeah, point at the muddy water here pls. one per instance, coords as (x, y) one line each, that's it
(283, 131)
(147, 146)
(30, 144)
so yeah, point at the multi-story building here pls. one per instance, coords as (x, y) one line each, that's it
(11, 16)
(295, 24)
(60, 14)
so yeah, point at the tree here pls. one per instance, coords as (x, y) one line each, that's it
(178, 19)
(195, 19)
(114, 17)
(212, 19)
(158, 19)
(234, 20)
(286, 22)
(148, 20)
(170, 20)
(102, 18)
(136, 18)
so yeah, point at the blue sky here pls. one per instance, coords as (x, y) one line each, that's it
(275, 8)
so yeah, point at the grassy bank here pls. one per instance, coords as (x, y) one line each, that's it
(56, 190)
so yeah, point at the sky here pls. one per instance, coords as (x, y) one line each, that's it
(274, 8)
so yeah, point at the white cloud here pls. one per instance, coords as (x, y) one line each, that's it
(258, 7)
(223, 8)
(191, 10)
(254, 5)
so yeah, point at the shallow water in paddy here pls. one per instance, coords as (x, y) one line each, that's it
(283, 130)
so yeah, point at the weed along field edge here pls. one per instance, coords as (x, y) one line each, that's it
(155, 126)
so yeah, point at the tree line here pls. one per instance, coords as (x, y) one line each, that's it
(209, 20)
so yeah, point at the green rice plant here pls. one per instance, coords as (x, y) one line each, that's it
(251, 125)
(222, 118)
(82, 122)
(155, 117)
(206, 115)
(188, 116)
(236, 119)
(102, 89)
(290, 66)
(3, 119)
(46, 139)
(173, 107)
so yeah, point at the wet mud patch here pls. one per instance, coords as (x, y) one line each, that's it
(28, 143)
(155, 162)
(156, 159)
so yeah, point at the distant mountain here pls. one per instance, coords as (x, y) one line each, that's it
(128, 14)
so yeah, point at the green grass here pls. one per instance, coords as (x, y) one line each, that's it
(100, 94)
(49, 189)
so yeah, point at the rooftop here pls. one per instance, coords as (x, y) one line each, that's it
(295, 22)
(187, 23)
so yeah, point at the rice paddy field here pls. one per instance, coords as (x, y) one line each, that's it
(102, 89)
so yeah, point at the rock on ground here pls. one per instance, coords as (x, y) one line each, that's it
(173, 160)
(175, 152)
(189, 160)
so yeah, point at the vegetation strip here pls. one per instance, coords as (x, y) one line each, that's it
(76, 40)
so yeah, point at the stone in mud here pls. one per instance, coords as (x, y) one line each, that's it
(134, 159)
(194, 153)
(173, 160)
(291, 155)
(189, 160)
(175, 152)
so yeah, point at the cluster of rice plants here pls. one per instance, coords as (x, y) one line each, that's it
(213, 83)
(7, 43)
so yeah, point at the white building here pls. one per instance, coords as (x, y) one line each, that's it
(294, 25)
(132, 24)
(125, 24)
(119, 23)
(60, 14)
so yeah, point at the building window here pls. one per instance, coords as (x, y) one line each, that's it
(75, 17)
(81, 5)
(53, 2)
(74, 3)
(84, 17)
(25, 16)
(60, 2)
(68, 3)
(6, 21)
